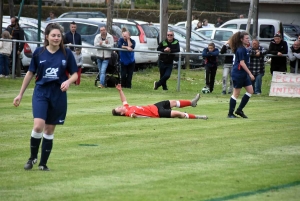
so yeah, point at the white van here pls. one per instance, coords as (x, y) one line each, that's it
(267, 28)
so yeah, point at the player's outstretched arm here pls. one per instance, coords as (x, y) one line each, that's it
(122, 95)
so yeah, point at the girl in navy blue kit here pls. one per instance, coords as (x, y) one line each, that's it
(241, 75)
(51, 64)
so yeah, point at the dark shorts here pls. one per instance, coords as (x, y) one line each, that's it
(241, 81)
(164, 109)
(49, 103)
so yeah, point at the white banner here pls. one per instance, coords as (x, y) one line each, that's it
(285, 84)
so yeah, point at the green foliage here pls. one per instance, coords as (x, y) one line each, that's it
(154, 159)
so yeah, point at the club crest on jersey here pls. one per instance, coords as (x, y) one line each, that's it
(63, 62)
(51, 72)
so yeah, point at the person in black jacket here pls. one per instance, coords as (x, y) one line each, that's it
(211, 65)
(72, 37)
(169, 45)
(278, 47)
(17, 33)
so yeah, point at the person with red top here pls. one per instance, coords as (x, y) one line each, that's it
(161, 109)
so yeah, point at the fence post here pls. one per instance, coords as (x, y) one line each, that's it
(13, 69)
(178, 76)
(296, 66)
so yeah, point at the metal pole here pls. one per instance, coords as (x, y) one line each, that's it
(21, 8)
(14, 59)
(178, 76)
(296, 66)
(39, 21)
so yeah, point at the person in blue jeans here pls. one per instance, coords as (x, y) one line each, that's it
(5, 50)
(106, 40)
(257, 65)
(126, 58)
(169, 45)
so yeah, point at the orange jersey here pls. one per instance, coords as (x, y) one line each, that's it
(142, 111)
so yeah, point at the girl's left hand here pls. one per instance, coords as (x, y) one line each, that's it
(65, 85)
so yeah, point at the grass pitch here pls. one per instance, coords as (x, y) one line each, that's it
(100, 157)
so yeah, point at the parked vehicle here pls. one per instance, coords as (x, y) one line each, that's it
(83, 15)
(267, 28)
(292, 29)
(289, 39)
(88, 29)
(143, 36)
(219, 34)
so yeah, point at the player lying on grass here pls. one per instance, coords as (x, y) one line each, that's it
(158, 110)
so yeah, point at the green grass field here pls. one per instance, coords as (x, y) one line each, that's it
(97, 156)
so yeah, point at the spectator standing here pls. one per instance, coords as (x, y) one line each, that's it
(293, 54)
(257, 65)
(126, 58)
(219, 22)
(161, 109)
(79, 61)
(72, 37)
(105, 40)
(278, 47)
(241, 75)
(17, 33)
(211, 64)
(51, 16)
(227, 68)
(49, 99)
(5, 51)
(241, 16)
(199, 25)
(165, 61)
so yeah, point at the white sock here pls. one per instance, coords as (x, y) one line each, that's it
(178, 104)
(248, 94)
(186, 115)
(36, 135)
(233, 97)
(48, 137)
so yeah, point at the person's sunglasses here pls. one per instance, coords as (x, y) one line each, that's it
(170, 35)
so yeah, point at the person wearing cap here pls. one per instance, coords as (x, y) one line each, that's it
(278, 47)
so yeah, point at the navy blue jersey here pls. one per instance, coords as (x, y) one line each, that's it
(240, 54)
(52, 67)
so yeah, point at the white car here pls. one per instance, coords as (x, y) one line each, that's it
(143, 36)
(220, 34)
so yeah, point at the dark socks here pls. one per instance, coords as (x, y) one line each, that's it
(46, 150)
(232, 104)
(244, 102)
(34, 146)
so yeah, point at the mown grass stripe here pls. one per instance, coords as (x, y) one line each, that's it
(249, 193)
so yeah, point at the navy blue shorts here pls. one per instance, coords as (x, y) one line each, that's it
(164, 109)
(49, 103)
(241, 81)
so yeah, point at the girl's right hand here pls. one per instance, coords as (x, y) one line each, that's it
(17, 100)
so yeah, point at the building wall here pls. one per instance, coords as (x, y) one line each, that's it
(286, 13)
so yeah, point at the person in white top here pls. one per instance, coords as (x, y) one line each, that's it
(103, 39)
(205, 24)
(5, 51)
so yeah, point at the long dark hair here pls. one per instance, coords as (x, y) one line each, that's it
(235, 40)
(48, 29)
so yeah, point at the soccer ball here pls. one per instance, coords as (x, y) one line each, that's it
(205, 90)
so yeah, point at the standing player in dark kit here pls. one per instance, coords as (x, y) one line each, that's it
(241, 75)
(49, 100)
